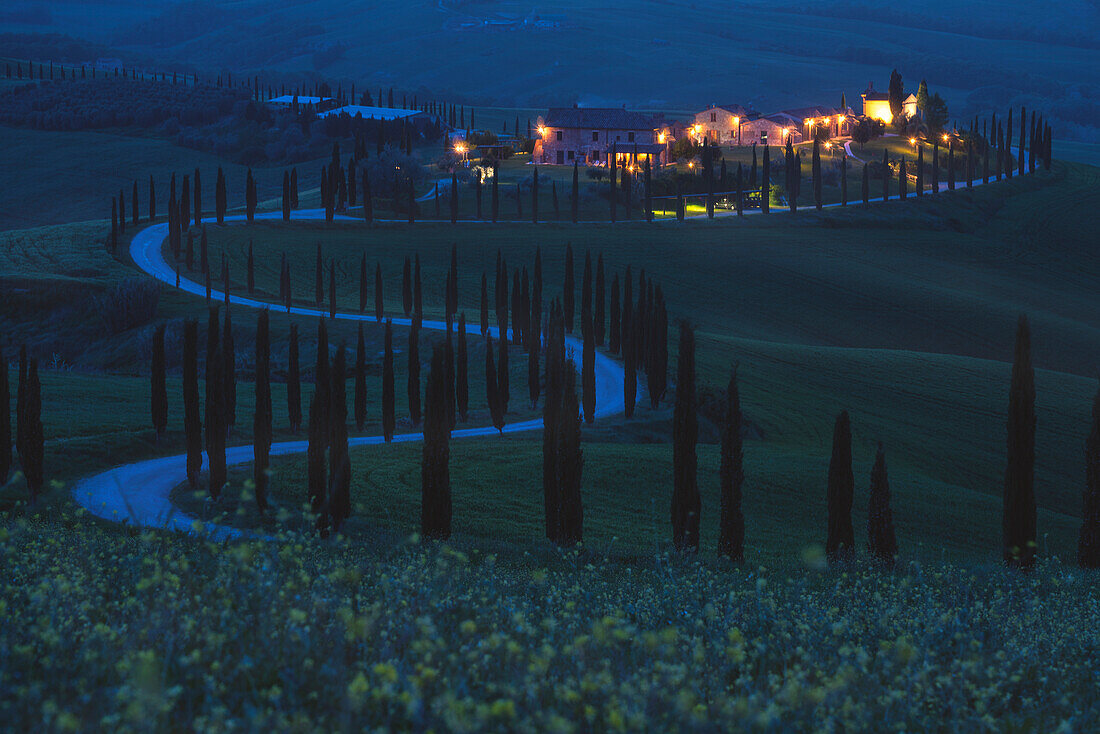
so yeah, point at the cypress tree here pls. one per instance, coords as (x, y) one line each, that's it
(551, 424)
(866, 190)
(250, 197)
(502, 299)
(185, 203)
(535, 196)
(731, 528)
(484, 304)
(920, 171)
(197, 197)
(613, 339)
(418, 292)
(1019, 494)
(20, 405)
(286, 196)
(568, 289)
(449, 369)
(1020, 147)
(332, 289)
(319, 426)
(338, 502)
(586, 289)
(885, 176)
(360, 381)
(791, 176)
(32, 449)
(881, 541)
(251, 282)
(378, 300)
(192, 424)
(588, 367)
(496, 195)
(261, 424)
(294, 383)
(935, 167)
(462, 382)
(504, 394)
(413, 387)
(220, 198)
(363, 283)
(406, 286)
(765, 180)
(5, 420)
(1088, 541)
(951, 165)
(574, 197)
(840, 544)
(571, 460)
(229, 372)
(435, 485)
(388, 411)
(598, 323)
(215, 407)
(844, 180)
(685, 494)
(454, 197)
(534, 387)
(158, 388)
(492, 388)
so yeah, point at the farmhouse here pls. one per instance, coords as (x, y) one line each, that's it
(876, 105)
(590, 135)
(770, 129)
(720, 124)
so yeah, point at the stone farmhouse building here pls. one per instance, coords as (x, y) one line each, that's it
(721, 124)
(876, 105)
(590, 135)
(738, 125)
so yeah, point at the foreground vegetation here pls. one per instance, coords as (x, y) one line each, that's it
(132, 631)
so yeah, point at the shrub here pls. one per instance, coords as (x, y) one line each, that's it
(132, 303)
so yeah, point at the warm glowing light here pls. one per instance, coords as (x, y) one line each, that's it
(828, 145)
(542, 131)
(736, 119)
(460, 147)
(912, 141)
(661, 138)
(691, 164)
(946, 136)
(809, 121)
(784, 132)
(840, 119)
(825, 120)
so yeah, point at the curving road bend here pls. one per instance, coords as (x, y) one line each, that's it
(138, 493)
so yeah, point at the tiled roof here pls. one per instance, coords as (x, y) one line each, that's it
(600, 118)
(734, 109)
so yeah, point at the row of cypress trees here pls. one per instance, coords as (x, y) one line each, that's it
(29, 437)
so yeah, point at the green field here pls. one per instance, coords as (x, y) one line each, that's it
(901, 313)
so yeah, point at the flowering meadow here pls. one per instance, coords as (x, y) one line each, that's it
(109, 629)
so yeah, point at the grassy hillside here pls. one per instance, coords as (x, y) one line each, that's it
(783, 54)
